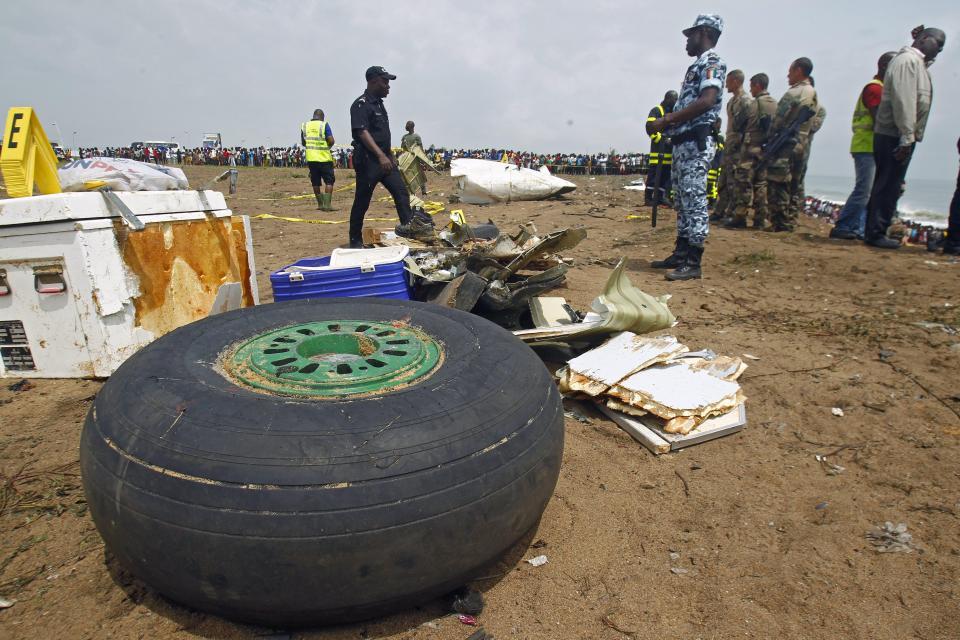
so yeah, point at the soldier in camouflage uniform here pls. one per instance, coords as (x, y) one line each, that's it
(798, 197)
(783, 172)
(741, 113)
(766, 110)
(689, 127)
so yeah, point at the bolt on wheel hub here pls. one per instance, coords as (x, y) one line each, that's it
(334, 359)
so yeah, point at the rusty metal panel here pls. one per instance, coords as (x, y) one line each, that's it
(181, 265)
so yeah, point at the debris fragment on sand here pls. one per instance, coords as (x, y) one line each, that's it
(620, 307)
(488, 181)
(891, 539)
(538, 561)
(597, 370)
(659, 380)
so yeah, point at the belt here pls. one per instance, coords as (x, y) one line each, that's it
(700, 132)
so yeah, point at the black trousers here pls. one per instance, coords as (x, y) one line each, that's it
(369, 174)
(886, 186)
(663, 184)
(953, 227)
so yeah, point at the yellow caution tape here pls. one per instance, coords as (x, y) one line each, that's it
(304, 196)
(431, 207)
(268, 216)
(635, 217)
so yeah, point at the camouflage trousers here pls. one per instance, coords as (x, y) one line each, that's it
(760, 209)
(748, 175)
(799, 192)
(783, 180)
(690, 166)
(724, 205)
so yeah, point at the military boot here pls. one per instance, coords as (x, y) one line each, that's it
(690, 269)
(676, 258)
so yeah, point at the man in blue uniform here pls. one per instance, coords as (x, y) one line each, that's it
(689, 127)
(372, 157)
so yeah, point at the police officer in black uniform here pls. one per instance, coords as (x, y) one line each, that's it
(372, 158)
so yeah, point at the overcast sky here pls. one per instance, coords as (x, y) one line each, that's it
(544, 76)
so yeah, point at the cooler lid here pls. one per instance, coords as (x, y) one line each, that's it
(346, 258)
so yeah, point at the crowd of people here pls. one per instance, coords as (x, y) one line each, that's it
(910, 231)
(294, 156)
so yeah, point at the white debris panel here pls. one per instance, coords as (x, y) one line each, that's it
(656, 376)
(487, 182)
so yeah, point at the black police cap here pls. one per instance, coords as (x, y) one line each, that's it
(373, 72)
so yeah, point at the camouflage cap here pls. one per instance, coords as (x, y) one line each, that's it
(711, 20)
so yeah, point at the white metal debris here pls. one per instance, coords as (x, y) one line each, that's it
(656, 390)
(620, 307)
(486, 182)
(678, 389)
(597, 370)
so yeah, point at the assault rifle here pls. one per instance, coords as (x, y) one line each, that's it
(787, 136)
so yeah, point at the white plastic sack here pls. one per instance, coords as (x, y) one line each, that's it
(487, 181)
(119, 174)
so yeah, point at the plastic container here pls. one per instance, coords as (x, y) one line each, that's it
(346, 273)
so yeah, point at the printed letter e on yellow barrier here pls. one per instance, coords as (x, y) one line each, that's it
(27, 157)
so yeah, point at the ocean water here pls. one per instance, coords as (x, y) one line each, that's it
(926, 201)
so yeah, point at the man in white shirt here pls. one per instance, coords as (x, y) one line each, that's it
(899, 126)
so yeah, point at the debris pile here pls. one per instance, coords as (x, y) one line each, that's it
(658, 390)
(483, 270)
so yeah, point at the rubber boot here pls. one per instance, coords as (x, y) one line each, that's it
(690, 269)
(675, 259)
(319, 195)
(325, 202)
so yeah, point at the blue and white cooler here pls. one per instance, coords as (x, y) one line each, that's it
(345, 273)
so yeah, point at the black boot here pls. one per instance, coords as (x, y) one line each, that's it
(690, 269)
(676, 258)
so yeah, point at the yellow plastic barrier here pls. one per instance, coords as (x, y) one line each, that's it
(27, 157)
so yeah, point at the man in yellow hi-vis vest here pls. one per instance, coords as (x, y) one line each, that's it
(853, 216)
(661, 152)
(317, 137)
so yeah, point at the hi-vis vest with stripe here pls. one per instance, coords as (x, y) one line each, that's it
(316, 143)
(863, 125)
(657, 151)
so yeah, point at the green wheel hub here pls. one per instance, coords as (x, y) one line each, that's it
(334, 359)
